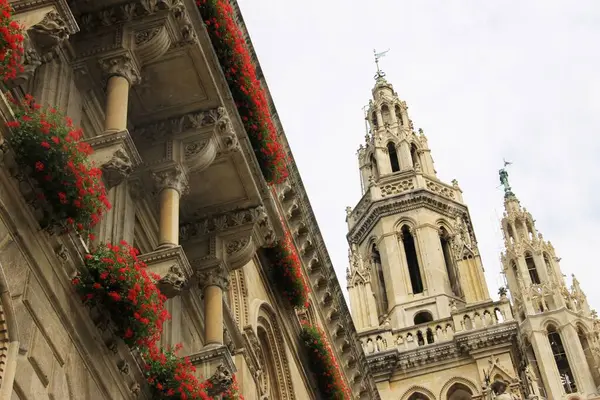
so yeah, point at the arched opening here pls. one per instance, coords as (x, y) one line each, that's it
(414, 155)
(380, 290)
(532, 371)
(498, 315)
(398, 112)
(374, 123)
(385, 114)
(391, 148)
(511, 233)
(515, 270)
(418, 396)
(533, 274)
(589, 356)
(450, 265)
(429, 336)
(420, 339)
(268, 382)
(459, 391)
(530, 230)
(411, 260)
(467, 323)
(548, 264)
(422, 317)
(374, 169)
(561, 360)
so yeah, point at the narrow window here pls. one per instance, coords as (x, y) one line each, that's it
(429, 336)
(449, 261)
(374, 121)
(561, 360)
(385, 114)
(589, 355)
(381, 292)
(533, 274)
(411, 260)
(399, 115)
(420, 339)
(374, 170)
(548, 265)
(393, 157)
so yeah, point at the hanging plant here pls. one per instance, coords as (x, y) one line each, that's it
(116, 281)
(70, 189)
(322, 363)
(287, 272)
(171, 377)
(233, 393)
(247, 91)
(11, 43)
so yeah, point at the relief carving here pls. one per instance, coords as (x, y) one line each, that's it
(174, 178)
(236, 245)
(214, 277)
(173, 126)
(173, 282)
(117, 169)
(225, 130)
(220, 381)
(145, 36)
(121, 65)
(49, 33)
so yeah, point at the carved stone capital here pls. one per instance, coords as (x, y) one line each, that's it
(121, 65)
(172, 178)
(220, 381)
(218, 276)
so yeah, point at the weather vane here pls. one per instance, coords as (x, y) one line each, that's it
(380, 73)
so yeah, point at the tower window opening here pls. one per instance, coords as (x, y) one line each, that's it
(423, 317)
(498, 315)
(420, 339)
(412, 261)
(548, 265)
(450, 265)
(391, 148)
(385, 114)
(533, 274)
(380, 291)
(511, 234)
(529, 230)
(429, 336)
(561, 360)
(458, 391)
(374, 170)
(398, 112)
(374, 123)
(589, 355)
(414, 155)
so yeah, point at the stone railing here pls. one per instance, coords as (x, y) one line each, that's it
(482, 315)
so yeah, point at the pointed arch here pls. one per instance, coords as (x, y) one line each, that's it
(418, 390)
(583, 335)
(531, 268)
(414, 156)
(385, 114)
(393, 154)
(378, 276)
(412, 260)
(561, 358)
(272, 344)
(398, 112)
(374, 168)
(453, 383)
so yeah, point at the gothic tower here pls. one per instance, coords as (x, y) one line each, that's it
(557, 328)
(417, 290)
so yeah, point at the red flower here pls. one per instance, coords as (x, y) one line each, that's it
(39, 166)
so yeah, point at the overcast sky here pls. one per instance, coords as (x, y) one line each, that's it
(484, 79)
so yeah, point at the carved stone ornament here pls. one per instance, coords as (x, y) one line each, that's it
(49, 33)
(225, 130)
(146, 35)
(173, 178)
(236, 245)
(214, 277)
(121, 65)
(173, 282)
(220, 381)
(159, 130)
(117, 169)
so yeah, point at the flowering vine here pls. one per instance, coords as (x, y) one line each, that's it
(116, 280)
(247, 91)
(287, 272)
(323, 364)
(11, 43)
(71, 191)
(233, 393)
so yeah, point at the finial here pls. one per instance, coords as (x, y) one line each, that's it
(504, 180)
(380, 74)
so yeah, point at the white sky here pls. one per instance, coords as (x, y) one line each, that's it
(484, 79)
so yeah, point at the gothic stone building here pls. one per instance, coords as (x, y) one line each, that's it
(418, 293)
(142, 79)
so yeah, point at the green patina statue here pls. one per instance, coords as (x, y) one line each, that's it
(504, 182)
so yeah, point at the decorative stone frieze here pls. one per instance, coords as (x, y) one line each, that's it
(172, 265)
(159, 131)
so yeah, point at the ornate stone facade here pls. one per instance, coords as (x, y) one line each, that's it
(418, 295)
(186, 189)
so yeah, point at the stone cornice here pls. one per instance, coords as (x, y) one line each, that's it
(410, 201)
(360, 367)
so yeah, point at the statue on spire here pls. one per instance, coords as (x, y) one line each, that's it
(380, 74)
(504, 180)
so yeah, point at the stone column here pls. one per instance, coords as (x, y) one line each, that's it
(213, 283)
(171, 183)
(404, 156)
(577, 359)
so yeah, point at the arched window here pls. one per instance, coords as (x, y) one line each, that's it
(391, 148)
(420, 339)
(468, 323)
(398, 112)
(530, 230)
(380, 290)
(418, 396)
(561, 360)
(414, 155)
(374, 169)
(450, 265)
(533, 274)
(374, 123)
(459, 391)
(268, 382)
(548, 264)
(411, 260)
(511, 233)
(589, 356)
(515, 270)
(423, 317)
(385, 114)
(429, 336)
